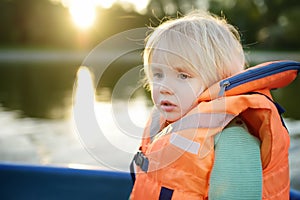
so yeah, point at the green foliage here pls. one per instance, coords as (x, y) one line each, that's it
(34, 22)
(264, 24)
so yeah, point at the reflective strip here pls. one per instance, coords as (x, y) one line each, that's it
(202, 120)
(184, 143)
(199, 120)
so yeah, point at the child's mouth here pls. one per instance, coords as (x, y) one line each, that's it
(167, 106)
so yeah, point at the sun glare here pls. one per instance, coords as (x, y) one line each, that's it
(105, 3)
(139, 5)
(85, 89)
(83, 13)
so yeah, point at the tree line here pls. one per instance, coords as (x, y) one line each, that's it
(264, 24)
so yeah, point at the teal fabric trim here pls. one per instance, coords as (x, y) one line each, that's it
(237, 170)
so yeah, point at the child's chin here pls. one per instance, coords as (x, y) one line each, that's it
(171, 118)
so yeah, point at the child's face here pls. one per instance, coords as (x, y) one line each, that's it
(174, 90)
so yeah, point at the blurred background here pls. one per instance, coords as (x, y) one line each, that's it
(44, 42)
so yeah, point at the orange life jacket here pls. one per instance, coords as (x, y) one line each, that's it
(176, 159)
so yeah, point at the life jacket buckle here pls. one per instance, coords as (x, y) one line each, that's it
(142, 161)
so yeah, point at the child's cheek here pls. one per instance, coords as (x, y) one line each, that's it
(154, 95)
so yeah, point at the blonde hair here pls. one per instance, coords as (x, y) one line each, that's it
(204, 43)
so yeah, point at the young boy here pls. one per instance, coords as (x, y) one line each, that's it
(198, 145)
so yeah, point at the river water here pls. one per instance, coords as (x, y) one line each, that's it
(57, 142)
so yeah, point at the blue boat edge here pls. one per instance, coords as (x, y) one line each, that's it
(24, 181)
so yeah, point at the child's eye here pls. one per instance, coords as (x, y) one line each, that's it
(158, 75)
(183, 76)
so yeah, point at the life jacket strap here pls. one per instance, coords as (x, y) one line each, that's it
(132, 172)
(140, 160)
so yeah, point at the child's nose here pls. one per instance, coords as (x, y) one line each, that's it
(165, 89)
